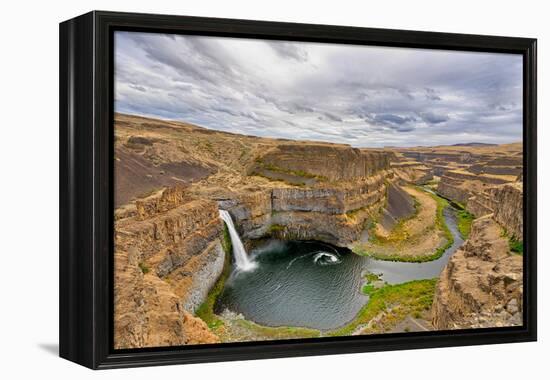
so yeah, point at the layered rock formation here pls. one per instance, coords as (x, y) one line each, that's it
(470, 169)
(505, 203)
(413, 173)
(147, 311)
(409, 171)
(508, 211)
(482, 284)
(167, 257)
(331, 213)
(333, 162)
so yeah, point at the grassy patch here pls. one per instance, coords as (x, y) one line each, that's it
(439, 224)
(405, 259)
(464, 224)
(372, 277)
(282, 332)
(144, 268)
(275, 228)
(373, 283)
(516, 246)
(206, 310)
(368, 289)
(410, 298)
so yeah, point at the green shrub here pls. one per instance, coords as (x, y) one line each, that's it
(516, 246)
(274, 228)
(464, 224)
(411, 298)
(144, 268)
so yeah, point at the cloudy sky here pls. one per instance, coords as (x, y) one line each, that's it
(363, 96)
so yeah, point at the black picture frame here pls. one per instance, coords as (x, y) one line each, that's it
(86, 188)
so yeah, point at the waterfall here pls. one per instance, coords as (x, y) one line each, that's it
(241, 258)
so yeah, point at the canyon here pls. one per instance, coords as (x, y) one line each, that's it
(482, 284)
(172, 249)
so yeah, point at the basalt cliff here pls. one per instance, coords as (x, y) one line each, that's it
(481, 286)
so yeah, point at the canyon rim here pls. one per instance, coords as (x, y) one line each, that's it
(273, 190)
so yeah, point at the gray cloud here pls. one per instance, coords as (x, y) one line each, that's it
(332, 117)
(433, 118)
(289, 50)
(364, 96)
(431, 94)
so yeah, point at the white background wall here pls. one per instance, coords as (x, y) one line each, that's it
(29, 190)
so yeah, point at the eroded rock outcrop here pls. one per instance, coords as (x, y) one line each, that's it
(454, 189)
(505, 203)
(251, 211)
(331, 161)
(147, 311)
(332, 213)
(508, 208)
(482, 284)
(167, 257)
(412, 172)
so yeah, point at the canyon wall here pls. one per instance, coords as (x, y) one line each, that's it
(460, 186)
(330, 161)
(333, 215)
(328, 210)
(482, 195)
(505, 202)
(147, 311)
(453, 189)
(482, 284)
(412, 172)
(508, 210)
(168, 255)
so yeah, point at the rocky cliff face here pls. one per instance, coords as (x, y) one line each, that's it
(330, 161)
(482, 284)
(334, 214)
(251, 211)
(412, 172)
(453, 189)
(505, 203)
(147, 311)
(167, 257)
(460, 186)
(508, 207)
